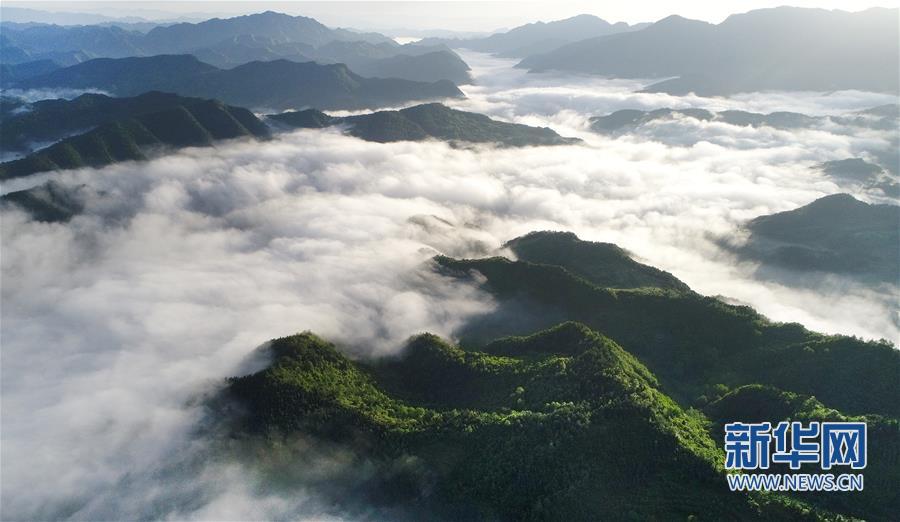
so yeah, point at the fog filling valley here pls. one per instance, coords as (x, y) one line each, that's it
(118, 325)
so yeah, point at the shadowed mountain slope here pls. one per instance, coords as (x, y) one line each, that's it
(836, 233)
(190, 122)
(277, 84)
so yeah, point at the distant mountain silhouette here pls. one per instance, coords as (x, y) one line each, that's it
(540, 37)
(782, 48)
(847, 172)
(427, 67)
(277, 84)
(38, 41)
(628, 120)
(427, 121)
(858, 172)
(14, 54)
(836, 233)
(279, 27)
(230, 42)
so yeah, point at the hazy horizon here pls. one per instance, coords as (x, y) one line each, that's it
(457, 16)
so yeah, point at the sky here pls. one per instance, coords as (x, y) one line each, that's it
(453, 15)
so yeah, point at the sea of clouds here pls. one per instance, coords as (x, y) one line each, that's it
(118, 325)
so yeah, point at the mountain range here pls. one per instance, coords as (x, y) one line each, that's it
(47, 121)
(540, 37)
(277, 84)
(876, 173)
(131, 130)
(421, 122)
(628, 120)
(783, 48)
(231, 42)
(619, 412)
(377, 60)
(36, 16)
(179, 38)
(884, 117)
(96, 130)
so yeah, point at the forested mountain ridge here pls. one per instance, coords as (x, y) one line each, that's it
(51, 120)
(186, 123)
(562, 422)
(560, 425)
(432, 120)
(688, 340)
(603, 264)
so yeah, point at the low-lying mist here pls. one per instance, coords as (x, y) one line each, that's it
(118, 324)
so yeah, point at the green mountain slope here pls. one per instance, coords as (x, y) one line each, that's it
(277, 84)
(881, 496)
(603, 264)
(421, 122)
(689, 341)
(197, 123)
(561, 425)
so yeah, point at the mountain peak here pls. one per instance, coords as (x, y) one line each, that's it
(603, 264)
(838, 199)
(677, 21)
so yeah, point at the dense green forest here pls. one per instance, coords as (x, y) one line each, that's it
(616, 416)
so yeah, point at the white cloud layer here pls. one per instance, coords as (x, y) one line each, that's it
(117, 324)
